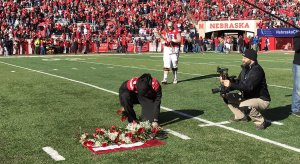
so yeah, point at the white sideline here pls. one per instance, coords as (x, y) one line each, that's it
(184, 137)
(53, 154)
(168, 109)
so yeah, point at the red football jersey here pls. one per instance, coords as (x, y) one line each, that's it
(132, 82)
(171, 34)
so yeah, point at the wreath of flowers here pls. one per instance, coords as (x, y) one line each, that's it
(134, 132)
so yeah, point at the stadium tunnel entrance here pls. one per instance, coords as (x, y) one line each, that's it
(233, 34)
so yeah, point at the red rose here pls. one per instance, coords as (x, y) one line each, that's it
(120, 111)
(123, 118)
(119, 131)
(102, 132)
(154, 130)
(104, 144)
(122, 142)
(141, 130)
(113, 127)
(116, 140)
(88, 143)
(98, 130)
(133, 140)
(129, 134)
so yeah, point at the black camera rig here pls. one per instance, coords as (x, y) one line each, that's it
(223, 73)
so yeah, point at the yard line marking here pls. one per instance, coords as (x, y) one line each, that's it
(214, 124)
(75, 68)
(182, 136)
(227, 122)
(55, 69)
(53, 154)
(274, 122)
(93, 68)
(172, 110)
(110, 67)
(278, 86)
(134, 67)
(13, 71)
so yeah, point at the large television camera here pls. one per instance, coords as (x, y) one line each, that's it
(223, 72)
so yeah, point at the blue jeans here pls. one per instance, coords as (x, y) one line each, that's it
(296, 89)
(196, 48)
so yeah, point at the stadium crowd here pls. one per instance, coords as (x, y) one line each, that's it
(76, 23)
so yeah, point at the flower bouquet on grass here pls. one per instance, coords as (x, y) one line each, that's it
(134, 133)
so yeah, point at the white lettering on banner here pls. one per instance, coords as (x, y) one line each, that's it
(245, 25)
(228, 25)
(281, 32)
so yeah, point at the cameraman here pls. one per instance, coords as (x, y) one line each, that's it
(254, 92)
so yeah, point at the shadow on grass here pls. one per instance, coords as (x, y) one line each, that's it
(200, 78)
(171, 117)
(278, 113)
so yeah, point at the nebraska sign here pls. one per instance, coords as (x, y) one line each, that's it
(228, 25)
(245, 25)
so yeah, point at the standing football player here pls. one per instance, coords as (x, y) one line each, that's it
(171, 38)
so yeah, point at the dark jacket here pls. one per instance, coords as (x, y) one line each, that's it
(150, 98)
(297, 48)
(252, 83)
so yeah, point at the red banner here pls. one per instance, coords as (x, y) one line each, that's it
(145, 48)
(113, 46)
(103, 47)
(130, 47)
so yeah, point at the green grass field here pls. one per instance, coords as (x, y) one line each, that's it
(50, 101)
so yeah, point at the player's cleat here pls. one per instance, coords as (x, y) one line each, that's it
(175, 81)
(164, 82)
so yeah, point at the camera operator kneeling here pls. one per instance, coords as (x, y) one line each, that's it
(254, 94)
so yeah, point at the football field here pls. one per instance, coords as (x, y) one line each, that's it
(50, 101)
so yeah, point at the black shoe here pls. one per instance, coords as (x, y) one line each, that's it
(244, 119)
(297, 114)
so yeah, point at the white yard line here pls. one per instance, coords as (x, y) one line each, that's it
(168, 109)
(227, 122)
(214, 124)
(274, 122)
(182, 136)
(278, 86)
(53, 154)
